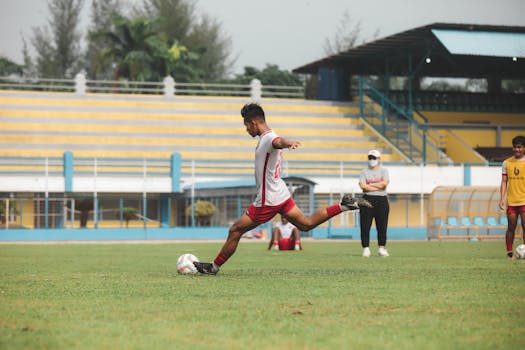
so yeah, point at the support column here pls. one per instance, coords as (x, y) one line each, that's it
(165, 210)
(68, 171)
(467, 175)
(176, 164)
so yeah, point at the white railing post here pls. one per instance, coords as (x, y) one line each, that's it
(256, 90)
(169, 87)
(80, 84)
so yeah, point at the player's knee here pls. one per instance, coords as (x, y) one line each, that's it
(235, 232)
(305, 227)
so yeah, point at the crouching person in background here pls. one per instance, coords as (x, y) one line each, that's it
(285, 236)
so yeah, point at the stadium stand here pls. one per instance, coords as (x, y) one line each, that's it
(495, 154)
(484, 136)
(201, 128)
(437, 51)
(462, 102)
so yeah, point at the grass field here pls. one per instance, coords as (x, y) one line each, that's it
(427, 295)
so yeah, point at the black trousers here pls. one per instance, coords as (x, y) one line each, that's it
(380, 213)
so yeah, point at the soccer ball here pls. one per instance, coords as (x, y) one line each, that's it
(520, 251)
(185, 264)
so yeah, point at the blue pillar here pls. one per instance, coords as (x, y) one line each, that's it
(68, 171)
(165, 211)
(175, 172)
(467, 175)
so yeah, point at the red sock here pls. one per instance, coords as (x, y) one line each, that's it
(509, 245)
(220, 259)
(333, 210)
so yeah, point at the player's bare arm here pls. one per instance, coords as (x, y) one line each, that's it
(503, 192)
(281, 142)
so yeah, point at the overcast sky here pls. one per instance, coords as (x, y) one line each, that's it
(289, 33)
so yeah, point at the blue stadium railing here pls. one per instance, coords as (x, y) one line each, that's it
(398, 126)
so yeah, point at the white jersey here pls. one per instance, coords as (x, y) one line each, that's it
(271, 189)
(286, 229)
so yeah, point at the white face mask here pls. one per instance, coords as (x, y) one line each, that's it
(372, 162)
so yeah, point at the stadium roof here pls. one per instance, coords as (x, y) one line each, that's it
(436, 50)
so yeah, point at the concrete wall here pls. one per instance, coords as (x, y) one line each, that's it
(179, 233)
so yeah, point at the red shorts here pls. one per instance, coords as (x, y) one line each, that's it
(260, 215)
(515, 209)
(286, 244)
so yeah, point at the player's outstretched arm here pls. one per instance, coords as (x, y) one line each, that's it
(281, 142)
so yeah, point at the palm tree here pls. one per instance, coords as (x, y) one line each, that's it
(209, 49)
(134, 48)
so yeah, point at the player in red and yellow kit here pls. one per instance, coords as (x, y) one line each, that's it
(513, 189)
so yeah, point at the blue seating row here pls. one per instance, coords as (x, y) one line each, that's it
(476, 221)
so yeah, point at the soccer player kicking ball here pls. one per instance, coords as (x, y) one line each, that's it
(273, 196)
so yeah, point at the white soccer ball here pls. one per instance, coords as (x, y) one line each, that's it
(185, 264)
(520, 251)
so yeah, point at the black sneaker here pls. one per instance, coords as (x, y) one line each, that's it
(205, 268)
(349, 203)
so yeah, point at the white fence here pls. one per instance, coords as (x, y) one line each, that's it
(154, 175)
(168, 87)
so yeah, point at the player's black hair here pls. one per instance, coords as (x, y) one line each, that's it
(518, 140)
(252, 111)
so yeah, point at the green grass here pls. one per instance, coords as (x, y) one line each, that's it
(427, 295)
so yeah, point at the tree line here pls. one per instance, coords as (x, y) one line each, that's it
(147, 42)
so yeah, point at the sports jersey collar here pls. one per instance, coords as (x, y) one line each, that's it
(264, 133)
